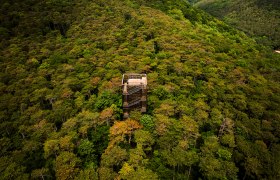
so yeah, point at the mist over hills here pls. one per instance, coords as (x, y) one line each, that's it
(213, 100)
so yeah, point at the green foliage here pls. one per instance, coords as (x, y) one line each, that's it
(87, 174)
(106, 99)
(11, 170)
(114, 157)
(67, 165)
(213, 93)
(148, 122)
(224, 154)
(100, 138)
(141, 173)
(259, 19)
(86, 148)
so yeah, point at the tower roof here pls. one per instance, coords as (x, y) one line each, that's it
(133, 79)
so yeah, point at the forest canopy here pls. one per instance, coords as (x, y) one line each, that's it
(213, 97)
(258, 18)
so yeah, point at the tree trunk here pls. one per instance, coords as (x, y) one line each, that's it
(107, 121)
(244, 177)
(7, 132)
(129, 138)
(173, 173)
(23, 137)
(189, 173)
(42, 176)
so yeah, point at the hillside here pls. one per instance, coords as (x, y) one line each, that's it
(258, 18)
(61, 105)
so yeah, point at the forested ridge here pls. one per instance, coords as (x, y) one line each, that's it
(257, 18)
(213, 98)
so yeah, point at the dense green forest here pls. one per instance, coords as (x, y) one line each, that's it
(213, 100)
(258, 18)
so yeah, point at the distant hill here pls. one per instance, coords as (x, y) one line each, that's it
(258, 18)
(213, 93)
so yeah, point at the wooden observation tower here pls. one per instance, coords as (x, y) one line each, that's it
(134, 88)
